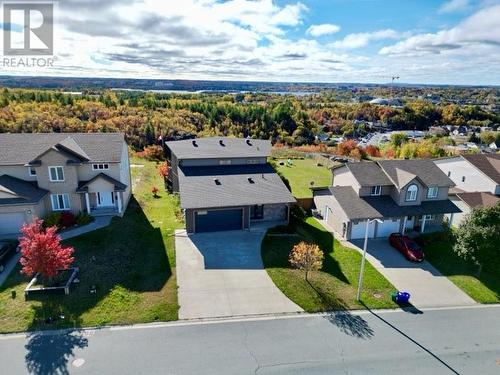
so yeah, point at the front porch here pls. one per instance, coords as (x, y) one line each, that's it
(102, 196)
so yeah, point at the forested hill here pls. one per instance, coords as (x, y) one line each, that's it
(143, 116)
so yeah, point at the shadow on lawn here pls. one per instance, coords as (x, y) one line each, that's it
(130, 253)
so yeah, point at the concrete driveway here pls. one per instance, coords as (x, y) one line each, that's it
(427, 286)
(221, 274)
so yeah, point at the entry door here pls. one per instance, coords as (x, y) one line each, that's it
(105, 199)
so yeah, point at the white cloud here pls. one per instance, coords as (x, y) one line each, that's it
(358, 40)
(323, 29)
(482, 28)
(454, 6)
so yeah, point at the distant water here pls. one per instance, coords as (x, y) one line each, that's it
(185, 92)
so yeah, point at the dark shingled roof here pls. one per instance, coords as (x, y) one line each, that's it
(479, 199)
(198, 188)
(489, 164)
(357, 208)
(22, 148)
(84, 185)
(211, 148)
(368, 174)
(401, 172)
(26, 192)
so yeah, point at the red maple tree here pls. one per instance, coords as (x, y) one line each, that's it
(42, 252)
(163, 170)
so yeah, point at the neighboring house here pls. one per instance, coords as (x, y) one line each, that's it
(226, 183)
(49, 172)
(406, 195)
(477, 180)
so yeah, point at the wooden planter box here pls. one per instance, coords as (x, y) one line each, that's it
(31, 289)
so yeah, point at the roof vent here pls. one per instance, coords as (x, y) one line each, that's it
(194, 143)
(221, 142)
(249, 142)
(250, 180)
(217, 181)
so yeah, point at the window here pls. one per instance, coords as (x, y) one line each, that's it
(97, 167)
(376, 190)
(463, 178)
(56, 174)
(411, 193)
(253, 161)
(60, 202)
(257, 212)
(32, 171)
(430, 217)
(432, 192)
(224, 162)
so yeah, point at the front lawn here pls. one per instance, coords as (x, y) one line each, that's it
(484, 288)
(301, 173)
(332, 288)
(131, 263)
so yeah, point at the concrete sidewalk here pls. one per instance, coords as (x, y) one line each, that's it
(221, 274)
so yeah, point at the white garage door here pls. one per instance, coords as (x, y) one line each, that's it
(358, 230)
(387, 227)
(11, 223)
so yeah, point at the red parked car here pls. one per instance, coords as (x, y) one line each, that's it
(407, 247)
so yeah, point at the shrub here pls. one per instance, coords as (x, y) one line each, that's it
(67, 219)
(53, 220)
(373, 151)
(83, 219)
(153, 153)
(154, 190)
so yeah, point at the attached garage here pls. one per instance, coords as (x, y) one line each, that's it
(11, 223)
(387, 227)
(358, 230)
(218, 220)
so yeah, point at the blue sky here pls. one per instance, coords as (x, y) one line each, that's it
(424, 41)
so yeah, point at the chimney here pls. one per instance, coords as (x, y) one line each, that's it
(194, 143)
(221, 142)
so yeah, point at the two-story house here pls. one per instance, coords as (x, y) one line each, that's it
(45, 172)
(405, 195)
(226, 183)
(477, 180)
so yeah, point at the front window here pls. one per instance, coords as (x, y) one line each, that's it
(56, 174)
(432, 192)
(257, 212)
(100, 167)
(32, 171)
(411, 193)
(376, 190)
(430, 217)
(60, 202)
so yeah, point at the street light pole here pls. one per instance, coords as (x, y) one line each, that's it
(362, 270)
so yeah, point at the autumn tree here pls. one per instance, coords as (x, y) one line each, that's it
(478, 237)
(42, 252)
(307, 257)
(163, 169)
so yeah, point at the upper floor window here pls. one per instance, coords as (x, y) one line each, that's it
(97, 167)
(31, 171)
(411, 193)
(432, 192)
(56, 174)
(376, 190)
(224, 162)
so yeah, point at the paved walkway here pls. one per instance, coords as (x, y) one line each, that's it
(221, 274)
(98, 223)
(427, 286)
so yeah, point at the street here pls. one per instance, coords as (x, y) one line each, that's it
(441, 341)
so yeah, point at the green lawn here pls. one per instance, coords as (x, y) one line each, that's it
(301, 173)
(334, 287)
(131, 262)
(483, 289)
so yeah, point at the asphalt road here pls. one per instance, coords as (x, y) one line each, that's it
(465, 341)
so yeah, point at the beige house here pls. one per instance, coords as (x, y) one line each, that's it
(405, 195)
(46, 172)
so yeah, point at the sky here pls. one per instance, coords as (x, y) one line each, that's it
(420, 41)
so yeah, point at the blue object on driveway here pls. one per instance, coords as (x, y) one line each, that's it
(402, 297)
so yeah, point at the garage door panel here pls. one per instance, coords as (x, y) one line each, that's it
(358, 230)
(11, 223)
(218, 220)
(387, 227)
